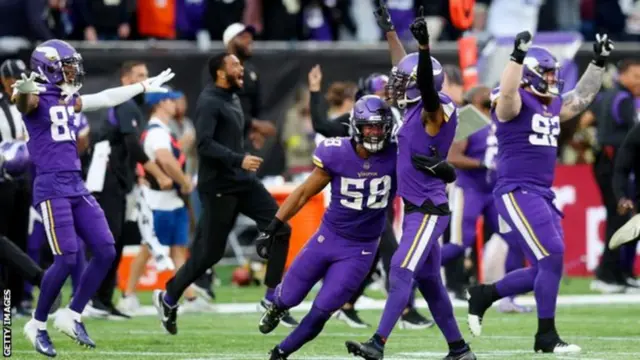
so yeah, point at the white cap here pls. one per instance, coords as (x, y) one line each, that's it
(234, 30)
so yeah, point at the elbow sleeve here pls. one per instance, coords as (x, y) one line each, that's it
(135, 149)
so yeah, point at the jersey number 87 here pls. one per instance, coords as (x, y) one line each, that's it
(61, 118)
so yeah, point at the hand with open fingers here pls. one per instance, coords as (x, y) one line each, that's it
(28, 85)
(251, 163)
(602, 49)
(382, 16)
(155, 83)
(419, 28)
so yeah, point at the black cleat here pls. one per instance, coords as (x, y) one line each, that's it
(413, 320)
(277, 354)
(351, 317)
(463, 355)
(479, 301)
(271, 318)
(368, 350)
(115, 314)
(168, 314)
(551, 343)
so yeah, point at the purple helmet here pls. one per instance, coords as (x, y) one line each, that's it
(537, 63)
(402, 88)
(14, 158)
(371, 110)
(58, 63)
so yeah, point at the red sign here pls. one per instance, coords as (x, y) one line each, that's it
(578, 196)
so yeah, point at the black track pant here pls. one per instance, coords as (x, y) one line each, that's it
(219, 213)
(16, 261)
(15, 201)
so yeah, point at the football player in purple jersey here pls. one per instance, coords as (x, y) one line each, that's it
(49, 101)
(361, 170)
(527, 111)
(430, 121)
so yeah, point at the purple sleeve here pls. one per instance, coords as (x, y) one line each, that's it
(325, 154)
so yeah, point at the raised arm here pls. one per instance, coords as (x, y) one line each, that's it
(432, 111)
(383, 19)
(577, 100)
(321, 124)
(510, 103)
(116, 96)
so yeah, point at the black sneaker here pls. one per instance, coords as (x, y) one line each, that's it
(287, 320)
(461, 355)
(413, 320)
(271, 318)
(551, 343)
(115, 314)
(368, 350)
(351, 317)
(203, 286)
(479, 302)
(168, 314)
(277, 354)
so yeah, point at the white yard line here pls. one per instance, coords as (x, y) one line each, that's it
(369, 304)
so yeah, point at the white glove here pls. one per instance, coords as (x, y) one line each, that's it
(155, 83)
(28, 85)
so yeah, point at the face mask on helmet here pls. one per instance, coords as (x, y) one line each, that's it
(371, 123)
(401, 90)
(542, 76)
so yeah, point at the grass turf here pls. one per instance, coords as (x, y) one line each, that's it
(603, 332)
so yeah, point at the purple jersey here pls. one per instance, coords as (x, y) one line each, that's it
(483, 146)
(414, 185)
(361, 189)
(52, 128)
(528, 146)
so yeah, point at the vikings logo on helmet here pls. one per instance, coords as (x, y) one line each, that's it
(402, 88)
(371, 110)
(540, 72)
(58, 63)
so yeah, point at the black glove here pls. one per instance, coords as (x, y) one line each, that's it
(266, 237)
(382, 16)
(601, 49)
(520, 46)
(434, 166)
(263, 244)
(419, 28)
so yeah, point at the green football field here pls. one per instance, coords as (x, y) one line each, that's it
(606, 327)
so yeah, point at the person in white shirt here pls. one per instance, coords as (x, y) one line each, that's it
(170, 215)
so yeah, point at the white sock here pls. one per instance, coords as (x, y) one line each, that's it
(76, 316)
(42, 325)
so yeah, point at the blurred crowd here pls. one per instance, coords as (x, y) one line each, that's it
(284, 20)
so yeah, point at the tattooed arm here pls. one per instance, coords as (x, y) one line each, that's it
(509, 104)
(578, 99)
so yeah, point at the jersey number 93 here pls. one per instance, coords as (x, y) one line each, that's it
(61, 118)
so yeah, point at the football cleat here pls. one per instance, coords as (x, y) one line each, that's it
(551, 343)
(287, 320)
(463, 355)
(168, 314)
(351, 317)
(74, 329)
(270, 319)
(479, 302)
(277, 354)
(508, 305)
(413, 320)
(368, 350)
(39, 339)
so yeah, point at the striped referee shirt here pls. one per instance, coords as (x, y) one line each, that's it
(11, 124)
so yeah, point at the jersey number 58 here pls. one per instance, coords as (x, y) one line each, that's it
(546, 130)
(352, 190)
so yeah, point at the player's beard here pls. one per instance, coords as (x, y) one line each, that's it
(233, 83)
